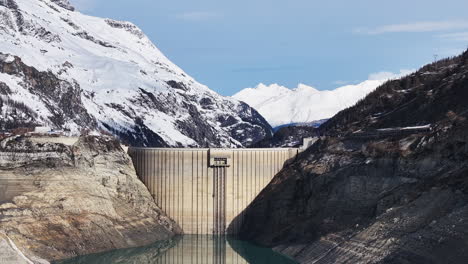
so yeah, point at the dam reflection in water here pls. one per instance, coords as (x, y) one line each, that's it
(190, 249)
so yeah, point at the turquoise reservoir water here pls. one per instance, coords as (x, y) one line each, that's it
(189, 250)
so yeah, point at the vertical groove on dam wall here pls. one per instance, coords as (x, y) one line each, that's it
(204, 190)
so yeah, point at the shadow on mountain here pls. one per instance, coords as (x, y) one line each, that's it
(256, 254)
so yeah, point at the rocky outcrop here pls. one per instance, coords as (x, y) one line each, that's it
(60, 201)
(61, 98)
(64, 4)
(400, 198)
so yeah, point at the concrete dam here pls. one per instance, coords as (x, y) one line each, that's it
(204, 190)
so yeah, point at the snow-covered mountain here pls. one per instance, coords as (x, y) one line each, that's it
(304, 104)
(67, 70)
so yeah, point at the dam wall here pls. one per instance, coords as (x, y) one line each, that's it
(203, 190)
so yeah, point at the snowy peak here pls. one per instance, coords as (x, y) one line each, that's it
(305, 89)
(273, 88)
(304, 104)
(120, 82)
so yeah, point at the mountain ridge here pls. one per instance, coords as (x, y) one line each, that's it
(386, 183)
(121, 83)
(304, 104)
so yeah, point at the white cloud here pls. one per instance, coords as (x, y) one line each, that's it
(197, 16)
(83, 5)
(457, 36)
(383, 76)
(423, 26)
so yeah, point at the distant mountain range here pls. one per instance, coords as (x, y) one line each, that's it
(304, 104)
(69, 71)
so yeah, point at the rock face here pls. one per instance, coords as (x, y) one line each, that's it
(60, 201)
(10, 254)
(378, 199)
(62, 69)
(64, 4)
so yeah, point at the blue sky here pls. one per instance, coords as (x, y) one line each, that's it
(231, 45)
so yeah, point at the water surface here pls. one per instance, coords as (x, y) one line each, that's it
(189, 250)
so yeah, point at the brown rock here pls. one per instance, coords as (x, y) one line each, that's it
(60, 201)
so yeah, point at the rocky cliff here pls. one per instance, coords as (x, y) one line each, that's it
(378, 197)
(59, 201)
(63, 69)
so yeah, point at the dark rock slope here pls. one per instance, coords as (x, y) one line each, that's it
(59, 201)
(288, 136)
(400, 198)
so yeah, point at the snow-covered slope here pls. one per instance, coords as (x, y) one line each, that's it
(281, 105)
(67, 70)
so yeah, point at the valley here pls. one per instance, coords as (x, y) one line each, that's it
(111, 153)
